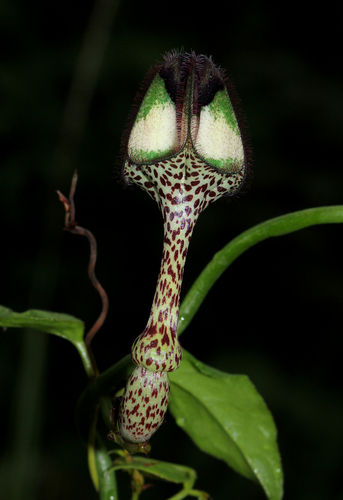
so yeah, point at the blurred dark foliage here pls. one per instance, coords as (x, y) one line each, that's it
(276, 313)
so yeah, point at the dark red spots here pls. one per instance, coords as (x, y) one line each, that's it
(152, 345)
(135, 409)
(198, 190)
(178, 176)
(148, 185)
(189, 230)
(165, 339)
(171, 273)
(147, 413)
(175, 233)
(188, 210)
(179, 269)
(150, 331)
(173, 200)
(187, 198)
(140, 391)
(149, 361)
(177, 358)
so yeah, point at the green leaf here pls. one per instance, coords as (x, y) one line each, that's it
(63, 325)
(227, 418)
(174, 473)
(278, 226)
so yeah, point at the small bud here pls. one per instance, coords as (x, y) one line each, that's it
(143, 405)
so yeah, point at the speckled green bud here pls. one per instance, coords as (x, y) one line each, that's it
(186, 149)
(143, 405)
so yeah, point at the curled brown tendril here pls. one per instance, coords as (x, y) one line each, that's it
(72, 227)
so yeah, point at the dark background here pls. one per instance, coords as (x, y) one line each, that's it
(274, 315)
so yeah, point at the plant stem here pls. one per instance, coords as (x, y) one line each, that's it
(201, 495)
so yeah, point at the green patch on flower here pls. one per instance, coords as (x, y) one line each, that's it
(149, 156)
(156, 95)
(221, 107)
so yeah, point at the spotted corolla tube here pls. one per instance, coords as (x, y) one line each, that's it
(185, 148)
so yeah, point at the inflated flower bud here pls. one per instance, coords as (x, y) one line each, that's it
(185, 148)
(143, 404)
